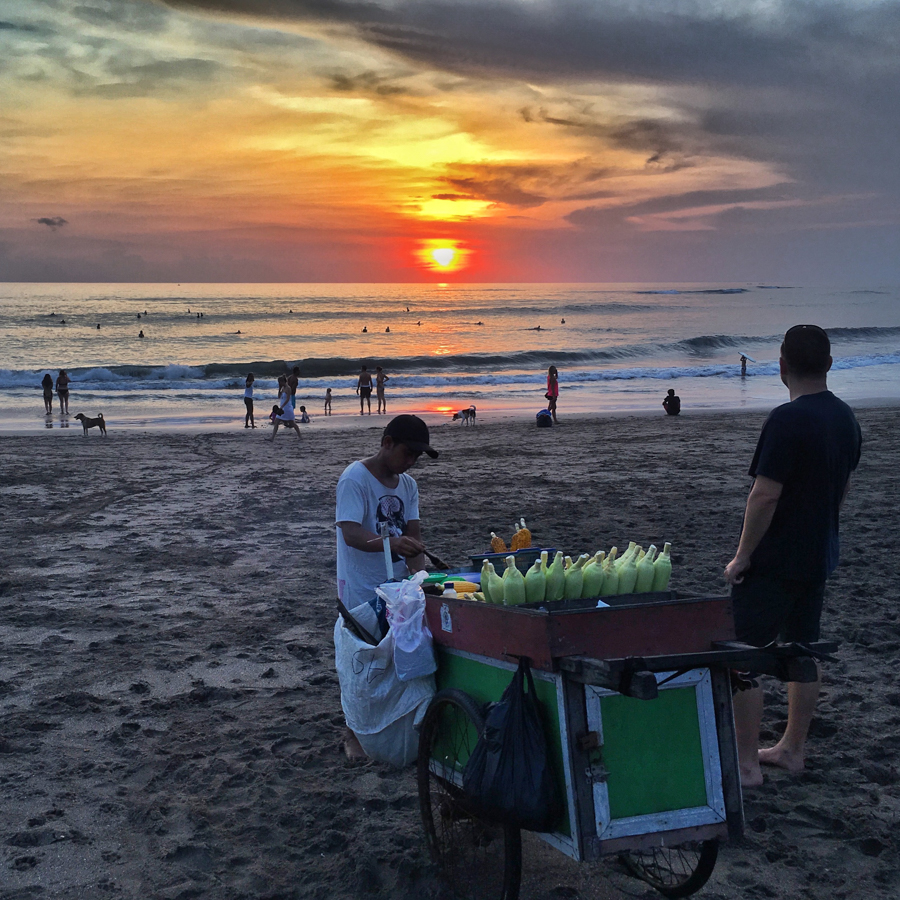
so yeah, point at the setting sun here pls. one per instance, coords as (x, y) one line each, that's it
(442, 255)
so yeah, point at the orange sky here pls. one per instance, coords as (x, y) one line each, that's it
(176, 144)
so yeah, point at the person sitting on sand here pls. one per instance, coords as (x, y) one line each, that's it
(672, 403)
(304, 416)
(369, 492)
(788, 547)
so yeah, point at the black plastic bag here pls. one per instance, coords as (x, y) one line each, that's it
(508, 774)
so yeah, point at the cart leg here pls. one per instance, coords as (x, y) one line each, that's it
(478, 860)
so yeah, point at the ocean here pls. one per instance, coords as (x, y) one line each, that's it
(444, 347)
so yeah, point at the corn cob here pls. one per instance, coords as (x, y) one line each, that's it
(498, 545)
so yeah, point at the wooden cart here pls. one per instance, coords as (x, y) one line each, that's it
(638, 715)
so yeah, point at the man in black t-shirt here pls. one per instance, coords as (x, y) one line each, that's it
(806, 453)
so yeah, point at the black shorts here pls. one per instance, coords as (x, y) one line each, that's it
(768, 608)
(248, 402)
(365, 392)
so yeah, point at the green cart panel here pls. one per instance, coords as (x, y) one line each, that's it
(657, 768)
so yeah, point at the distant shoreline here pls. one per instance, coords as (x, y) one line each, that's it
(345, 421)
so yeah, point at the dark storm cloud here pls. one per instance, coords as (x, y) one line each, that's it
(663, 41)
(52, 221)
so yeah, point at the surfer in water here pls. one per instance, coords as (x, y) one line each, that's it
(743, 365)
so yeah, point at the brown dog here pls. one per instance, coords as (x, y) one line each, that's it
(87, 423)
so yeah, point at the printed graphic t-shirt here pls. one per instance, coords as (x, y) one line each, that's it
(362, 498)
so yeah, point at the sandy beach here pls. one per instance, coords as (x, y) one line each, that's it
(170, 716)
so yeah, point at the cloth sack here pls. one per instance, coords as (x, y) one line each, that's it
(413, 650)
(544, 419)
(508, 774)
(381, 710)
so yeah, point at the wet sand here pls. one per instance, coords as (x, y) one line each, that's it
(169, 713)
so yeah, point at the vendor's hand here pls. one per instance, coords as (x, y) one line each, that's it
(406, 546)
(736, 569)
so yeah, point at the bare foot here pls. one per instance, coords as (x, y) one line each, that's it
(352, 748)
(782, 758)
(751, 777)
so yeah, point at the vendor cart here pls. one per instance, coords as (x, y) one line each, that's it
(636, 699)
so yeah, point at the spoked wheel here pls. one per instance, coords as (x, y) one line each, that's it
(478, 860)
(674, 871)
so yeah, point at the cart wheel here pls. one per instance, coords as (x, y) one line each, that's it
(674, 871)
(478, 860)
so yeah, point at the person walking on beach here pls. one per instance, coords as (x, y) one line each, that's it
(47, 386)
(286, 416)
(672, 403)
(62, 391)
(327, 401)
(370, 492)
(789, 543)
(552, 391)
(380, 379)
(364, 389)
(248, 401)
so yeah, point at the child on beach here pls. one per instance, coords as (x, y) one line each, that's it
(304, 416)
(248, 402)
(327, 401)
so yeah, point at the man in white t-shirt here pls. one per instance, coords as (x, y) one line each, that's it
(369, 492)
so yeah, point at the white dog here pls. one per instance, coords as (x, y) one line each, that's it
(467, 416)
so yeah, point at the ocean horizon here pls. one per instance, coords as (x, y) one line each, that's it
(618, 347)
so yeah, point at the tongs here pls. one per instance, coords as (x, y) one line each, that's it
(384, 537)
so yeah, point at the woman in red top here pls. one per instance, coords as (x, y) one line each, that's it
(552, 391)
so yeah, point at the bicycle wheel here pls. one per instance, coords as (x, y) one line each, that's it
(674, 871)
(478, 860)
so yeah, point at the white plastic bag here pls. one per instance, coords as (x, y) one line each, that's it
(382, 711)
(413, 651)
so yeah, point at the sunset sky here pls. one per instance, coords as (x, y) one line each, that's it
(572, 140)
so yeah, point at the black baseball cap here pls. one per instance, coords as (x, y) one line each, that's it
(413, 432)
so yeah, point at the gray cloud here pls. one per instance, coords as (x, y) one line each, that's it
(808, 85)
(52, 221)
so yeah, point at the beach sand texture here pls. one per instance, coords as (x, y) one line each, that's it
(169, 712)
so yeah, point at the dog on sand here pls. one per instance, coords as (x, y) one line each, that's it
(466, 416)
(87, 423)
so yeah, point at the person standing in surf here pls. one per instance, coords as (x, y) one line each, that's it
(380, 379)
(364, 389)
